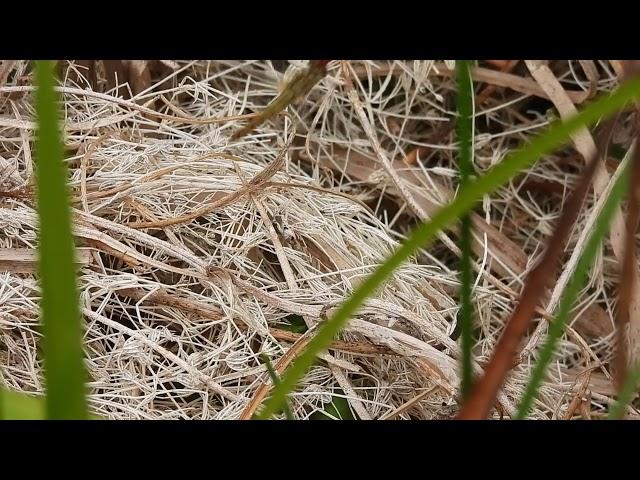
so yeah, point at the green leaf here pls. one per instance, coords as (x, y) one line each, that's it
(63, 358)
(19, 406)
(465, 166)
(22, 406)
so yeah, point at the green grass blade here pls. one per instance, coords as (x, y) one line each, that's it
(22, 406)
(464, 200)
(629, 388)
(63, 358)
(575, 284)
(276, 381)
(19, 406)
(465, 166)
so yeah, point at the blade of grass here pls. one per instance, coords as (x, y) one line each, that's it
(466, 198)
(465, 166)
(19, 406)
(63, 359)
(276, 381)
(572, 290)
(625, 394)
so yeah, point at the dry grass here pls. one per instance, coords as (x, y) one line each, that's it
(179, 305)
